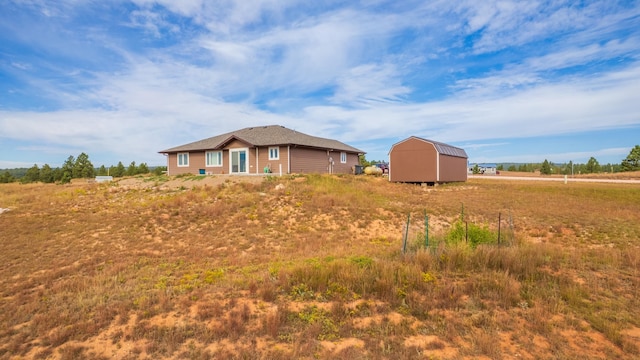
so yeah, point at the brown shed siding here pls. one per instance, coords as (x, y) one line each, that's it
(413, 160)
(418, 160)
(452, 168)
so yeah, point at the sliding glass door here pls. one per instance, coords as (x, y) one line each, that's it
(238, 163)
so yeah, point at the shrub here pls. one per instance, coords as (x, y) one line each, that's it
(474, 234)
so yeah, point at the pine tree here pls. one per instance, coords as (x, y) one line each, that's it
(102, 171)
(143, 168)
(592, 166)
(118, 171)
(546, 168)
(32, 175)
(632, 161)
(6, 178)
(67, 170)
(132, 169)
(83, 168)
(46, 174)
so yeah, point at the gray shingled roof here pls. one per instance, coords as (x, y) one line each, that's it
(264, 136)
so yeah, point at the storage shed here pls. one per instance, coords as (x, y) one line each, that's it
(418, 160)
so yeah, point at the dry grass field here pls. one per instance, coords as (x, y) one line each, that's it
(312, 267)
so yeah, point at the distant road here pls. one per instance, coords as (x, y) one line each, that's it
(537, 178)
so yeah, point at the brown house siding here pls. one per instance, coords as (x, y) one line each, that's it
(196, 162)
(346, 168)
(274, 165)
(306, 160)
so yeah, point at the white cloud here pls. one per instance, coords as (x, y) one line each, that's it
(583, 104)
(152, 22)
(183, 7)
(370, 84)
(365, 69)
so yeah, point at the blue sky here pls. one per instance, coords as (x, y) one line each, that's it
(509, 81)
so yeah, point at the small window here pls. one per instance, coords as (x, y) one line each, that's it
(214, 158)
(274, 153)
(183, 159)
(343, 157)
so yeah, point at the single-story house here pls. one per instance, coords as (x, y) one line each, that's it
(262, 149)
(484, 169)
(417, 160)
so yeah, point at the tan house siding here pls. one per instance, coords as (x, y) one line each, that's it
(344, 168)
(305, 160)
(413, 160)
(274, 165)
(196, 162)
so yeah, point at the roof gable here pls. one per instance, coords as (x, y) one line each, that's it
(264, 136)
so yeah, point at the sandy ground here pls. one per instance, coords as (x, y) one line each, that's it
(188, 182)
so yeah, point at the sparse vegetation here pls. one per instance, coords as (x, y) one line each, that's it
(166, 267)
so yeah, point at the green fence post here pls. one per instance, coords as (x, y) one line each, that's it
(426, 229)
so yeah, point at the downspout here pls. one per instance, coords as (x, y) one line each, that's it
(257, 162)
(288, 159)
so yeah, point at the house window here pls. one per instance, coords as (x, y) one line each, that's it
(274, 153)
(183, 159)
(343, 157)
(214, 158)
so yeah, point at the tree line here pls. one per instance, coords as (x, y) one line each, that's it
(592, 166)
(75, 168)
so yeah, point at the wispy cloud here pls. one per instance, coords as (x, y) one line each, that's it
(150, 74)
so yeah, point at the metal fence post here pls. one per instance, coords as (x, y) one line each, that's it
(406, 234)
(426, 229)
(499, 221)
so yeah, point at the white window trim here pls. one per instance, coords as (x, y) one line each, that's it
(343, 157)
(178, 159)
(206, 158)
(277, 148)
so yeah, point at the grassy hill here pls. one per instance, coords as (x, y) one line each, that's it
(313, 267)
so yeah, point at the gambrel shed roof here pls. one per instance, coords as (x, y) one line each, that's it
(442, 148)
